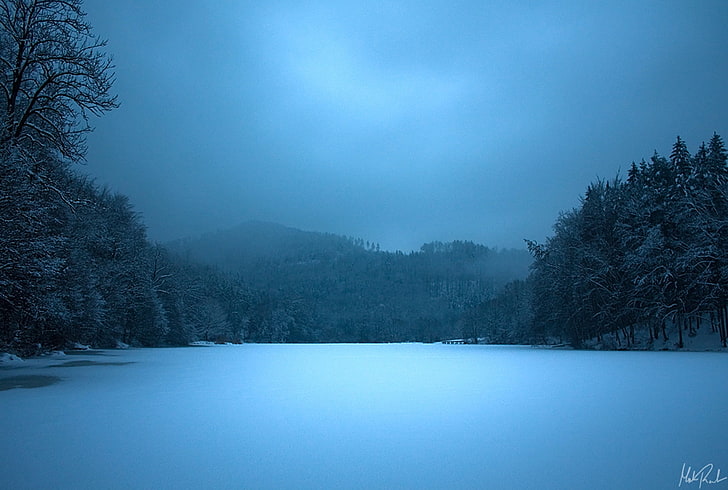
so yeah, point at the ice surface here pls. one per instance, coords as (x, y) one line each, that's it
(365, 416)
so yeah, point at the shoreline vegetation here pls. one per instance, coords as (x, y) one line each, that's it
(648, 254)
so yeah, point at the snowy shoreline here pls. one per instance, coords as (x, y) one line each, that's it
(702, 342)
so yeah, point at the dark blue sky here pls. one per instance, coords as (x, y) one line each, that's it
(397, 122)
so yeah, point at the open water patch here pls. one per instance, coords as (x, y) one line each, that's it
(82, 352)
(89, 363)
(27, 381)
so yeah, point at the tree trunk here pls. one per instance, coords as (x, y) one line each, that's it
(680, 321)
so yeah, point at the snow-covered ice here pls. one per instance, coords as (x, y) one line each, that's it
(9, 359)
(364, 416)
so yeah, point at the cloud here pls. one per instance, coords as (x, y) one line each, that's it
(400, 122)
(328, 65)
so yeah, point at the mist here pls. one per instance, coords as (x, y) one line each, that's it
(398, 123)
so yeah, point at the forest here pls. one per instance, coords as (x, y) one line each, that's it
(76, 267)
(647, 254)
(316, 287)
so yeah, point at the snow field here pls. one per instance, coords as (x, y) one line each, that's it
(364, 416)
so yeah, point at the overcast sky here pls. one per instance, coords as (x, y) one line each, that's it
(397, 122)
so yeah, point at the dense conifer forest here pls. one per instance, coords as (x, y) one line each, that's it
(649, 253)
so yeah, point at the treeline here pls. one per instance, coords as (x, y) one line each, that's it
(649, 253)
(77, 268)
(505, 317)
(315, 287)
(75, 264)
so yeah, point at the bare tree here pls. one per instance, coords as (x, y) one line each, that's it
(53, 74)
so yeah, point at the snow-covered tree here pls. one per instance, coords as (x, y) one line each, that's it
(53, 75)
(647, 252)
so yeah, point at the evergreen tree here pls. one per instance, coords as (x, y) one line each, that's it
(647, 253)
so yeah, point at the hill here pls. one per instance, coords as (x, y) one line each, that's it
(241, 247)
(324, 287)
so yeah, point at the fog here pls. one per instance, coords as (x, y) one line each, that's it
(396, 122)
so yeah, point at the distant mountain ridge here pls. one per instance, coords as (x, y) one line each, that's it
(252, 241)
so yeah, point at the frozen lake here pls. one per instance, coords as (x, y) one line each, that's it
(364, 416)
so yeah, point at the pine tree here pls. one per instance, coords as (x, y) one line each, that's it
(717, 156)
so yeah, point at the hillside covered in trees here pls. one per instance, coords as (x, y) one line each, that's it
(315, 287)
